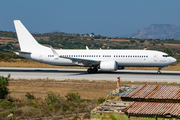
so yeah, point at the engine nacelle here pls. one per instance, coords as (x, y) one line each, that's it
(108, 65)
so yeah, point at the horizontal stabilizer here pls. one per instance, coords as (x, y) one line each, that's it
(18, 51)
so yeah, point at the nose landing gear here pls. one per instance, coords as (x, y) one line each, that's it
(159, 70)
(94, 70)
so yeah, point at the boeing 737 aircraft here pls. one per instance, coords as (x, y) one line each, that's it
(106, 60)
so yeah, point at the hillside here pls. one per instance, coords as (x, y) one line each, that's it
(157, 31)
(8, 40)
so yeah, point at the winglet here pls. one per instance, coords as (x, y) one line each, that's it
(56, 55)
(87, 48)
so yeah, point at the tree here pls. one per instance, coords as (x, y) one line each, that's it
(92, 33)
(132, 41)
(141, 41)
(4, 82)
(166, 50)
(78, 34)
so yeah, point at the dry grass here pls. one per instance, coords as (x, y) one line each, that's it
(6, 40)
(86, 89)
(31, 64)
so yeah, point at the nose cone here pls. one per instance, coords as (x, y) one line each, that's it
(172, 60)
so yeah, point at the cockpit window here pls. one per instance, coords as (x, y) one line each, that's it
(165, 55)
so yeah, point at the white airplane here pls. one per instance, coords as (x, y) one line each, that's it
(106, 60)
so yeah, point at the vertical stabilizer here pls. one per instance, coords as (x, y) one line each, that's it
(26, 40)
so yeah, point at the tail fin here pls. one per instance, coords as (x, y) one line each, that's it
(26, 40)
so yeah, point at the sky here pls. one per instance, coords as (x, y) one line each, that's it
(101, 17)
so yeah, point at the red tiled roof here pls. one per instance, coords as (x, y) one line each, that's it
(153, 108)
(155, 92)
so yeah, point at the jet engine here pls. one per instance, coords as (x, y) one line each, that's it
(108, 65)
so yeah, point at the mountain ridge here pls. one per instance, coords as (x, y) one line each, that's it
(157, 31)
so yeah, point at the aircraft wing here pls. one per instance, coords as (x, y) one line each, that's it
(84, 62)
(78, 61)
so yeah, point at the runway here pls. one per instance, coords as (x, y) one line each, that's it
(81, 74)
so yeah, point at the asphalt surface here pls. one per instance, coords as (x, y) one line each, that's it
(81, 74)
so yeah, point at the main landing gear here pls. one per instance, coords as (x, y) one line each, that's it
(159, 70)
(94, 70)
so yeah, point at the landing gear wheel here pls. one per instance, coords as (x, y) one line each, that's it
(89, 70)
(159, 72)
(94, 70)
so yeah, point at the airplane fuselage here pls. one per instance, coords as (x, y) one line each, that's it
(128, 58)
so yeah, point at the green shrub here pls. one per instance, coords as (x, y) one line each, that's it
(6, 104)
(57, 106)
(4, 82)
(65, 107)
(5, 113)
(101, 100)
(29, 96)
(1, 100)
(50, 108)
(73, 97)
(52, 98)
